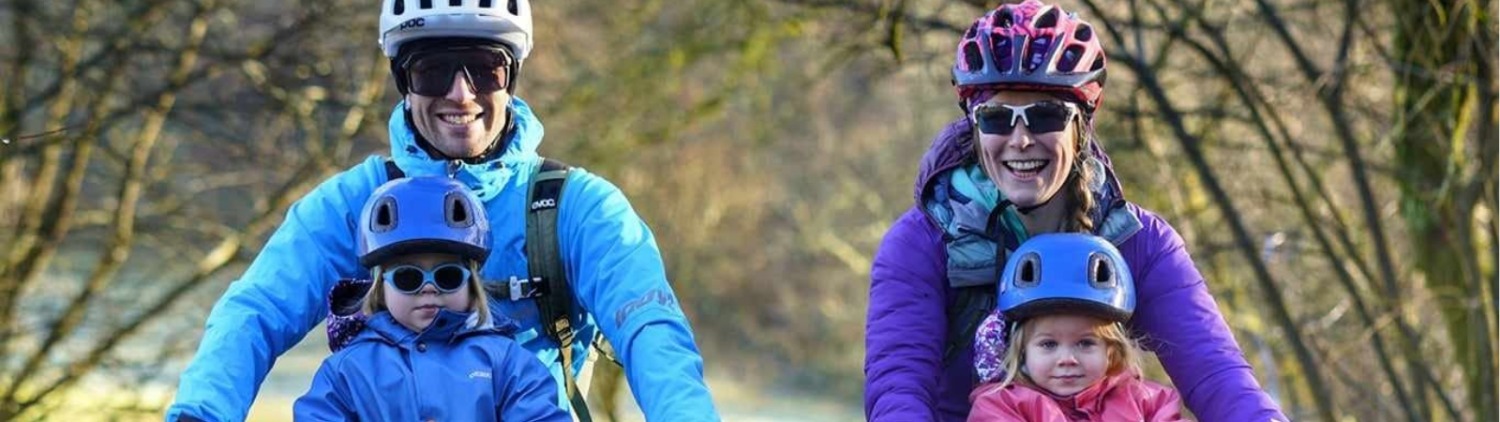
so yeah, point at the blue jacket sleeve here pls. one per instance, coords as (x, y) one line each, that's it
(618, 275)
(905, 326)
(280, 297)
(326, 400)
(527, 390)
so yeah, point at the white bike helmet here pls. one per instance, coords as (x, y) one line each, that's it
(504, 21)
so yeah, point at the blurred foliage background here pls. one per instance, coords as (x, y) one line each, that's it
(1330, 163)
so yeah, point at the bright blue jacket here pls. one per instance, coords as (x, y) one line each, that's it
(611, 258)
(455, 370)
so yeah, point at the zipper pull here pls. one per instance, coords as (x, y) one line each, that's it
(453, 166)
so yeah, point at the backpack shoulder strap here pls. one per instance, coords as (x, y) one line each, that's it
(392, 172)
(544, 262)
(964, 317)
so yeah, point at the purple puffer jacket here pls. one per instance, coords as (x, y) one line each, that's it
(907, 320)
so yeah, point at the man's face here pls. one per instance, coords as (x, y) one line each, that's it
(458, 99)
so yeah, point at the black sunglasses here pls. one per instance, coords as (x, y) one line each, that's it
(1039, 117)
(431, 74)
(409, 279)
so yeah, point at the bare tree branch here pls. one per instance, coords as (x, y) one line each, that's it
(1322, 395)
(1253, 102)
(118, 248)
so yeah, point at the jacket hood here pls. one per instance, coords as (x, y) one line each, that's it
(485, 178)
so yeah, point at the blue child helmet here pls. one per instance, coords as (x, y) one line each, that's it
(1067, 272)
(422, 215)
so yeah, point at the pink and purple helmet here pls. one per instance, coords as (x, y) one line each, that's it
(1030, 46)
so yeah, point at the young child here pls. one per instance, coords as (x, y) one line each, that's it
(1069, 357)
(431, 348)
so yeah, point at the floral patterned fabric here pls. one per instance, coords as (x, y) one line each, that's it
(989, 347)
(344, 317)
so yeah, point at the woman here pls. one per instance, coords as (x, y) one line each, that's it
(1025, 161)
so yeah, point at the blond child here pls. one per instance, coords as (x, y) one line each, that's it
(1063, 302)
(430, 349)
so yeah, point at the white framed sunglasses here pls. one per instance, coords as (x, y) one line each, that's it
(1039, 117)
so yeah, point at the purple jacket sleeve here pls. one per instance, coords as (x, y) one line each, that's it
(1182, 324)
(905, 326)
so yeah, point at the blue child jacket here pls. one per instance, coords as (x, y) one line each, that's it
(457, 369)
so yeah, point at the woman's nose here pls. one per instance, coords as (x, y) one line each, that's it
(1020, 136)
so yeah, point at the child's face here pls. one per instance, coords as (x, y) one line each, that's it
(1064, 355)
(417, 310)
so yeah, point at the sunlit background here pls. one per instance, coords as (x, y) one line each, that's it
(1330, 164)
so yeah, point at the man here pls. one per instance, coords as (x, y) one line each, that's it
(457, 66)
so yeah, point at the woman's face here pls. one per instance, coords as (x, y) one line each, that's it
(416, 311)
(1030, 164)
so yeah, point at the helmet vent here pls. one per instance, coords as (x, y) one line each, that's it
(1098, 64)
(1083, 33)
(398, 7)
(973, 29)
(385, 216)
(512, 8)
(972, 58)
(1037, 52)
(1101, 272)
(1029, 273)
(1001, 51)
(457, 210)
(485, 3)
(1070, 56)
(455, 3)
(1003, 18)
(1048, 19)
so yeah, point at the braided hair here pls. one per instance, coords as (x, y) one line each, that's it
(1081, 184)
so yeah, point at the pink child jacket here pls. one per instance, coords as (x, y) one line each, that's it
(1120, 398)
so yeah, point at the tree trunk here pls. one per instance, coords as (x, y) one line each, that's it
(1443, 95)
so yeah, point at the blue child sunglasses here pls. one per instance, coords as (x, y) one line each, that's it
(409, 279)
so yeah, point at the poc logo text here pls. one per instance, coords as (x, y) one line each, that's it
(413, 23)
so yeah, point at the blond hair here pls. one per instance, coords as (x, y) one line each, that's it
(1124, 353)
(1080, 184)
(478, 299)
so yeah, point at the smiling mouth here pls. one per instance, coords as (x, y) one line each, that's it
(460, 119)
(1026, 167)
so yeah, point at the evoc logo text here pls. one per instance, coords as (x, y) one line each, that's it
(543, 203)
